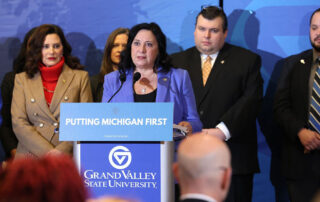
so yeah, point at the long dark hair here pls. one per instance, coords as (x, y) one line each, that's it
(162, 59)
(34, 47)
(106, 65)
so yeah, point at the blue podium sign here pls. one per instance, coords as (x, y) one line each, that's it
(130, 170)
(122, 149)
(116, 121)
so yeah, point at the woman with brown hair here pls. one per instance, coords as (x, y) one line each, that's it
(115, 44)
(51, 76)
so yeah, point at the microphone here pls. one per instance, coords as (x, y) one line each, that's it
(136, 77)
(122, 78)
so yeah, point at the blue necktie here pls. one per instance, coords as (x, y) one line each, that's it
(314, 113)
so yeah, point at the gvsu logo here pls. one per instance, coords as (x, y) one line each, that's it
(122, 157)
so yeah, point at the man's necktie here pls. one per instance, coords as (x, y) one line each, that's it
(206, 69)
(314, 114)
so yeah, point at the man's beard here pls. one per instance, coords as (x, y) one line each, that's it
(317, 48)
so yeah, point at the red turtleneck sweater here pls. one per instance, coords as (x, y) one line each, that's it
(50, 76)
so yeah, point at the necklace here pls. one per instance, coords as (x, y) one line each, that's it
(50, 91)
(145, 83)
(144, 90)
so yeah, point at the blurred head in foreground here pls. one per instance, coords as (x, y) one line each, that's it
(203, 166)
(48, 179)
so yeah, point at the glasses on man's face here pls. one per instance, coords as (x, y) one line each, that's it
(208, 6)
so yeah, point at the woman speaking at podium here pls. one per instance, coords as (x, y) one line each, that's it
(145, 75)
(51, 76)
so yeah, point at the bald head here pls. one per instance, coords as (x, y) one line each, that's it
(202, 162)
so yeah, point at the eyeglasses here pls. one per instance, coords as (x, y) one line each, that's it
(208, 6)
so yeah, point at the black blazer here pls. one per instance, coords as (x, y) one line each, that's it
(8, 138)
(233, 95)
(291, 109)
(96, 88)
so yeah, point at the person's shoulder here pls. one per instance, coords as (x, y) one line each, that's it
(185, 58)
(112, 75)
(299, 56)
(21, 75)
(8, 77)
(239, 50)
(178, 71)
(189, 51)
(80, 72)
(294, 62)
(23, 78)
(298, 59)
(178, 74)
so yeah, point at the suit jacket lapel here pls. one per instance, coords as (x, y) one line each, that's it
(218, 66)
(36, 88)
(305, 64)
(63, 83)
(163, 86)
(126, 93)
(195, 68)
(195, 73)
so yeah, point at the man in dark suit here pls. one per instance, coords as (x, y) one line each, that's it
(228, 95)
(203, 168)
(296, 110)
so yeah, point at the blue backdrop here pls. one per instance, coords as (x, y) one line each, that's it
(274, 29)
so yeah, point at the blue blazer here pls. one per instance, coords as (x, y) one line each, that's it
(173, 86)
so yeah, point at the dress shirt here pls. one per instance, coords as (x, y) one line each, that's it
(197, 196)
(213, 58)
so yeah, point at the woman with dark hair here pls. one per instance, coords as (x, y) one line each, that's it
(115, 44)
(8, 138)
(146, 53)
(51, 76)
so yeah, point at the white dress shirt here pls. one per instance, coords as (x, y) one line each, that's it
(197, 196)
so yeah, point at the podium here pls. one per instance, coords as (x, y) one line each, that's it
(122, 149)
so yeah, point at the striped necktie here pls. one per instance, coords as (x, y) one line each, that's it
(314, 112)
(206, 69)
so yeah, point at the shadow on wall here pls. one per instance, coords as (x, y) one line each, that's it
(173, 47)
(304, 42)
(244, 30)
(85, 49)
(9, 49)
(187, 30)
